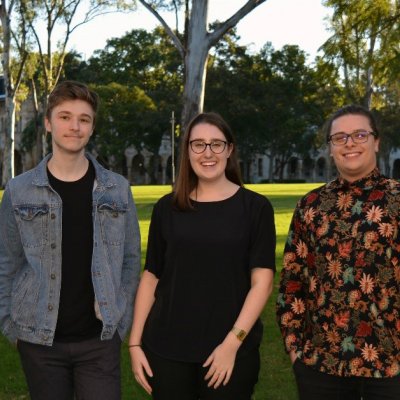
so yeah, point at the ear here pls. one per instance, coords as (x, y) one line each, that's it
(47, 124)
(376, 144)
(230, 149)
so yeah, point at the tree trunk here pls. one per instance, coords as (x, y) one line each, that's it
(36, 123)
(195, 63)
(8, 153)
(195, 51)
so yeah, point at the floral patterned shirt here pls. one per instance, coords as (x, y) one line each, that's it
(339, 300)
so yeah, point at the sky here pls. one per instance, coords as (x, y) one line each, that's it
(280, 22)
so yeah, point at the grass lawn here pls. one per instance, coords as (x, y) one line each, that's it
(276, 380)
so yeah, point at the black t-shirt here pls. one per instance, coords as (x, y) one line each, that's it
(203, 260)
(76, 316)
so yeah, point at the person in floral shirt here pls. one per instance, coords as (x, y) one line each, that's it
(338, 306)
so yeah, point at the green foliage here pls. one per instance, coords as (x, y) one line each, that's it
(28, 136)
(276, 380)
(139, 79)
(268, 98)
(124, 118)
(364, 45)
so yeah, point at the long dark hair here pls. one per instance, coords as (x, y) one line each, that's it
(187, 180)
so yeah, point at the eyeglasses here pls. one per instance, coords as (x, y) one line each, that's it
(199, 146)
(341, 138)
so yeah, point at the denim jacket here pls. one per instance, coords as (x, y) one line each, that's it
(30, 255)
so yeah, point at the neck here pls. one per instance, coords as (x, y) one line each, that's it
(354, 178)
(215, 190)
(68, 167)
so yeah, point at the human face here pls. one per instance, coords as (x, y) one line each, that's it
(71, 125)
(209, 166)
(354, 160)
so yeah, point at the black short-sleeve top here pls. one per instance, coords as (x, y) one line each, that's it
(203, 260)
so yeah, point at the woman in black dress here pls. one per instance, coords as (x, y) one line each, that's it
(208, 274)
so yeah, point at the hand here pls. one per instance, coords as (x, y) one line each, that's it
(221, 363)
(292, 356)
(140, 365)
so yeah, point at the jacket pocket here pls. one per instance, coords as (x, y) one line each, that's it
(112, 222)
(33, 224)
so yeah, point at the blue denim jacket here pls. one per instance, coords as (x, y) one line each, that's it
(30, 255)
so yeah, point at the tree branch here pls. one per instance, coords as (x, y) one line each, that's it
(224, 27)
(178, 44)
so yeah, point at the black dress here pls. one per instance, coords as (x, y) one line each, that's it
(203, 260)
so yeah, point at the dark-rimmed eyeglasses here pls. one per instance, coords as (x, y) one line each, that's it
(199, 146)
(359, 136)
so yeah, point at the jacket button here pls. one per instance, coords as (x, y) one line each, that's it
(53, 276)
(50, 307)
(53, 245)
(53, 216)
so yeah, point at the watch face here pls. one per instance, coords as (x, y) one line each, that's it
(241, 335)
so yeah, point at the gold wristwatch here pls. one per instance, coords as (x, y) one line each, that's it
(239, 333)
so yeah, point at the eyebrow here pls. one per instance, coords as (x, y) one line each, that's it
(355, 131)
(212, 139)
(70, 113)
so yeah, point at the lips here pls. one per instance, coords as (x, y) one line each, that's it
(208, 164)
(353, 154)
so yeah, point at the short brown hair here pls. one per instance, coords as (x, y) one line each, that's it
(352, 109)
(187, 180)
(72, 90)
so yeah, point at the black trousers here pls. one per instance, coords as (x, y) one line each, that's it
(88, 370)
(175, 380)
(315, 385)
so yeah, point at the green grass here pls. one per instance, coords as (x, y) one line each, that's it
(276, 381)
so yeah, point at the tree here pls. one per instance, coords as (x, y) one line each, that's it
(237, 90)
(125, 117)
(12, 80)
(293, 111)
(364, 45)
(61, 14)
(195, 43)
(145, 61)
(270, 101)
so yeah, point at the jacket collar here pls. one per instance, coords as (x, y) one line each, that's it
(103, 177)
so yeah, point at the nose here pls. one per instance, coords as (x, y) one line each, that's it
(208, 152)
(350, 142)
(74, 124)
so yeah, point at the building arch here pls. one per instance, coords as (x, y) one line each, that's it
(138, 171)
(293, 167)
(396, 169)
(308, 167)
(321, 166)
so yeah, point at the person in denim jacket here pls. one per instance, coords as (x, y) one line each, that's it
(69, 260)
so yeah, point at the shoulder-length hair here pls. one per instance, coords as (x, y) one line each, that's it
(187, 180)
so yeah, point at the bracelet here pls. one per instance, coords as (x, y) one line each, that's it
(239, 333)
(134, 345)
